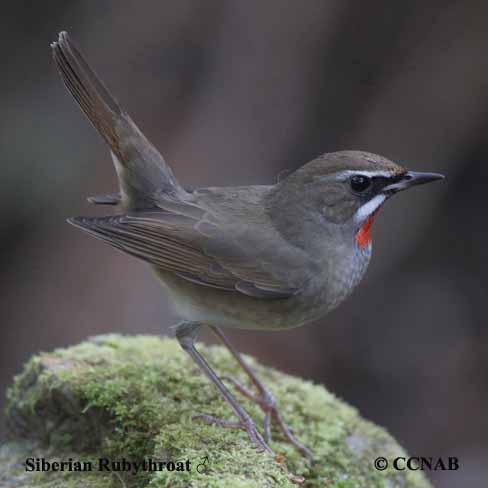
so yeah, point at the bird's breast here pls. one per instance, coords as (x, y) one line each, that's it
(344, 273)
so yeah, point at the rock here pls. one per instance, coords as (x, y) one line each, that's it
(114, 399)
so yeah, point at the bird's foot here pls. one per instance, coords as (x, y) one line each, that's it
(266, 400)
(245, 423)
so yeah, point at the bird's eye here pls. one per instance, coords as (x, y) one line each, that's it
(360, 183)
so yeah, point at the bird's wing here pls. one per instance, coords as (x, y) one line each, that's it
(184, 242)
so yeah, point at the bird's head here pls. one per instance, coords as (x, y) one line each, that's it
(341, 192)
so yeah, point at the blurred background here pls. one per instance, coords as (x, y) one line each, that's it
(234, 93)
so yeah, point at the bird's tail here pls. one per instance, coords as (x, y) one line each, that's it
(141, 169)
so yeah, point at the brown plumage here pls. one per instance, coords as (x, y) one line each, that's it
(262, 257)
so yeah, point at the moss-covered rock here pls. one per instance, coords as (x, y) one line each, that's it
(133, 398)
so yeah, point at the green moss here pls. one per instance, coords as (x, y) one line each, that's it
(134, 398)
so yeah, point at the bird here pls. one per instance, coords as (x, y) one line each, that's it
(262, 257)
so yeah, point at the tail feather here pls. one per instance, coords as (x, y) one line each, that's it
(141, 169)
(112, 199)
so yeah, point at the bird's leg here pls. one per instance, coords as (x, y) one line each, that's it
(186, 333)
(264, 399)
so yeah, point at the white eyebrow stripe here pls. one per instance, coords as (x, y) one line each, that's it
(372, 173)
(363, 212)
(344, 175)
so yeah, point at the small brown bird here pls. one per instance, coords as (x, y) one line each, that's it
(255, 257)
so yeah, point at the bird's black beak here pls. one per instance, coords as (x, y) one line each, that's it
(411, 178)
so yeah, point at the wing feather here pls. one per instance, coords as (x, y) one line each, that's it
(181, 244)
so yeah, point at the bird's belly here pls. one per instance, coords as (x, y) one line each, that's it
(234, 309)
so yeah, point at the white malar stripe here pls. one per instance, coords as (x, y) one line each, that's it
(368, 208)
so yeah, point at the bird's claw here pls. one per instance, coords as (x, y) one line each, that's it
(267, 402)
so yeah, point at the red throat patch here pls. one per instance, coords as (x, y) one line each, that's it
(363, 237)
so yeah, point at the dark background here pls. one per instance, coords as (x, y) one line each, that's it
(233, 93)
